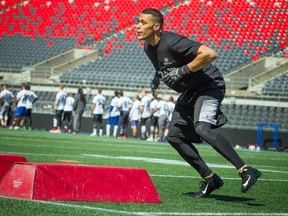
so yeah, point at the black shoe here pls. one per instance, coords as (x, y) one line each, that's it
(249, 177)
(207, 187)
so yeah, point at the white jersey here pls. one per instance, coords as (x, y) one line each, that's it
(170, 109)
(153, 105)
(6, 96)
(162, 107)
(145, 101)
(31, 97)
(61, 96)
(124, 103)
(114, 110)
(99, 101)
(68, 107)
(22, 98)
(135, 111)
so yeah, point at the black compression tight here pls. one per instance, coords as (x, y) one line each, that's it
(190, 154)
(219, 143)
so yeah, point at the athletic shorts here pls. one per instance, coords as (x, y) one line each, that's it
(4, 111)
(134, 123)
(154, 121)
(113, 120)
(125, 117)
(144, 120)
(97, 118)
(20, 112)
(203, 106)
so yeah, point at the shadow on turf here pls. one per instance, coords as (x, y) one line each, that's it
(227, 198)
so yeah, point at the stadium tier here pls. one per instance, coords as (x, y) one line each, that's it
(35, 30)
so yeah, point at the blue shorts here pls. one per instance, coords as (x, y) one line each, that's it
(113, 120)
(20, 112)
(134, 123)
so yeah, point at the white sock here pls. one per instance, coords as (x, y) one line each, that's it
(100, 132)
(108, 130)
(54, 123)
(94, 131)
(143, 130)
(115, 130)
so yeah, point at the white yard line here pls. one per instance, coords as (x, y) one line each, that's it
(92, 208)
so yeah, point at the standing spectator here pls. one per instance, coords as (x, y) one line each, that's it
(68, 112)
(114, 115)
(124, 105)
(7, 98)
(162, 107)
(20, 112)
(58, 106)
(170, 109)
(79, 108)
(145, 113)
(154, 127)
(97, 109)
(32, 98)
(134, 116)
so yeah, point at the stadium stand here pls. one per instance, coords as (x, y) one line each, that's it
(241, 32)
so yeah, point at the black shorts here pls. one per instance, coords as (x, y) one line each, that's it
(154, 121)
(97, 118)
(144, 121)
(192, 107)
(124, 117)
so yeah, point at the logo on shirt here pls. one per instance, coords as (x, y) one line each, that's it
(166, 61)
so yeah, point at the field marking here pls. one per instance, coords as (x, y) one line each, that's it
(86, 207)
(170, 162)
(197, 177)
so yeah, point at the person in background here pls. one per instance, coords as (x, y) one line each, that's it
(145, 113)
(154, 126)
(79, 108)
(162, 109)
(6, 98)
(114, 115)
(124, 105)
(58, 107)
(97, 110)
(134, 116)
(20, 112)
(32, 98)
(68, 112)
(170, 109)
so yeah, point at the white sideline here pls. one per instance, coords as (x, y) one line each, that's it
(148, 213)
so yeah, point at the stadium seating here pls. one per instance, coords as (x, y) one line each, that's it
(276, 86)
(240, 32)
(248, 116)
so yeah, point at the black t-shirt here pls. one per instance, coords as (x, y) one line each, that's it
(174, 50)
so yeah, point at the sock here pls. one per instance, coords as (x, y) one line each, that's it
(108, 130)
(143, 130)
(100, 132)
(94, 131)
(115, 130)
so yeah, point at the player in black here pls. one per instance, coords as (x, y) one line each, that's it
(185, 66)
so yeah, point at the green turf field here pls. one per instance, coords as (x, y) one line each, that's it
(173, 178)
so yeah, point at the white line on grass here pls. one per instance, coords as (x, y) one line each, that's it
(197, 177)
(86, 207)
(171, 162)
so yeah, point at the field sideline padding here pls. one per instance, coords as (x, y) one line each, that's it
(48, 181)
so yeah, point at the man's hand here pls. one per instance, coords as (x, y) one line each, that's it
(155, 83)
(174, 75)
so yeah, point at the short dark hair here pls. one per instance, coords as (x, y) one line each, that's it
(157, 15)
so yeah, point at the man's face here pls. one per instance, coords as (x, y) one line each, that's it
(146, 27)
